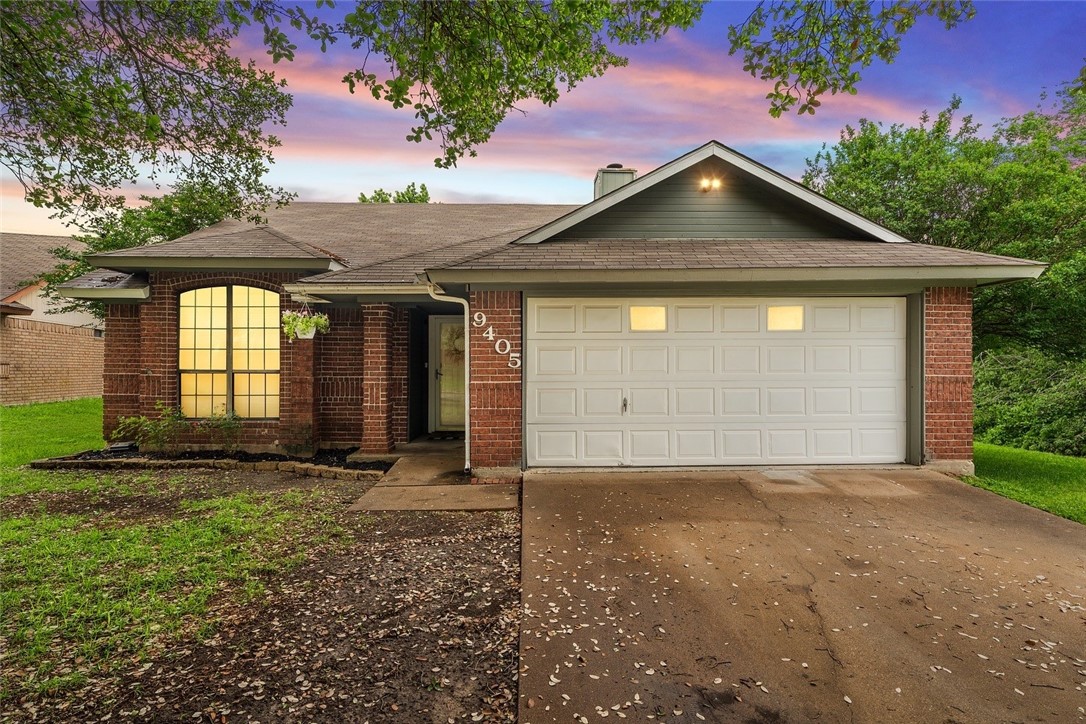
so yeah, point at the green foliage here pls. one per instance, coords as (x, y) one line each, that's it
(158, 433)
(1049, 482)
(1027, 399)
(96, 93)
(410, 195)
(296, 324)
(223, 429)
(1021, 192)
(810, 47)
(45, 430)
(190, 206)
(99, 94)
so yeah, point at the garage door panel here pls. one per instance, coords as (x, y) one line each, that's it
(649, 360)
(696, 319)
(740, 360)
(604, 446)
(649, 402)
(555, 360)
(695, 401)
(602, 318)
(717, 387)
(785, 360)
(603, 360)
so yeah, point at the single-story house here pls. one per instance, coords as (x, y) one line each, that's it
(711, 312)
(44, 356)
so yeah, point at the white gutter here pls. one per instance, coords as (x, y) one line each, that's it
(435, 292)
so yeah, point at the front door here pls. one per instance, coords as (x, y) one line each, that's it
(447, 347)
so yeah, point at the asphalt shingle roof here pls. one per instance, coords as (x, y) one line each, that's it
(724, 254)
(255, 242)
(24, 256)
(362, 234)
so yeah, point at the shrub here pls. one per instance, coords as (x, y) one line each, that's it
(1028, 399)
(158, 433)
(223, 429)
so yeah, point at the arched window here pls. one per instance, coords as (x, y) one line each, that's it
(228, 352)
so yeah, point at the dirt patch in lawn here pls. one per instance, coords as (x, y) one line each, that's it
(414, 618)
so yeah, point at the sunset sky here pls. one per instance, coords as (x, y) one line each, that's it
(673, 96)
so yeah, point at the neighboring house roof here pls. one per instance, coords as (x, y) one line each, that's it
(24, 256)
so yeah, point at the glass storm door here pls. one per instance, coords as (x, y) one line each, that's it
(447, 347)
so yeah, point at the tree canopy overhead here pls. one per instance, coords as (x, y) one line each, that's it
(96, 96)
(410, 194)
(1020, 192)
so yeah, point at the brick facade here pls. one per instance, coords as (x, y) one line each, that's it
(496, 388)
(948, 374)
(46, 362)
(340, 379)
(321, 380)
(377, 430)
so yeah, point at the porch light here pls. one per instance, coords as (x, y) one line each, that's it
(710, 184)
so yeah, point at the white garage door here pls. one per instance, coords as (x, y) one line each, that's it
(715, 381)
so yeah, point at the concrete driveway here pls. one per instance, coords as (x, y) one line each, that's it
(836, 596)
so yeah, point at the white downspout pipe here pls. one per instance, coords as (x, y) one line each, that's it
(435, 293)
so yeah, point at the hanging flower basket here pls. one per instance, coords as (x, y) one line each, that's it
(304, 324)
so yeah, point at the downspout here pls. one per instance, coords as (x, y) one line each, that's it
(433, 290)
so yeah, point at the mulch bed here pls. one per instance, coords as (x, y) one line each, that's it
(329, 458)
(415, 620)
(417, 623)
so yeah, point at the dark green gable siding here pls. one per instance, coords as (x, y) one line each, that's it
(743, 208)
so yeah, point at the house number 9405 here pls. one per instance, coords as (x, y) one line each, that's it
(501, 345)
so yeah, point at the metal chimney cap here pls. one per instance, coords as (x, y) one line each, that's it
(614, 165)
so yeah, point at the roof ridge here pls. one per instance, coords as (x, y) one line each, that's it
(485, 252)
(283, 236)
(450, 246)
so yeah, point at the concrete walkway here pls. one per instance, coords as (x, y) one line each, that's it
(429, 475)
(797, 595)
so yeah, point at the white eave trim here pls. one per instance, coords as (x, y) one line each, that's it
(709, 150)
(959, 274)
(105, 293)
(318, 289)
(212, 263)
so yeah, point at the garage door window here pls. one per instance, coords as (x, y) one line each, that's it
(784, 319)
(648, 319)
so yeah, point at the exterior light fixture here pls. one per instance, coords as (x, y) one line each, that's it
(708, 184)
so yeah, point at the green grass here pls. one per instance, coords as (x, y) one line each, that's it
(32, 432)
(1055, 483)
(51, 429)
(84, 591)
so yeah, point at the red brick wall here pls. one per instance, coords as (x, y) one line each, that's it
(398, 374)
(141, 356)
(45, 362)
(121, 373)
(496, 429)
(340, 379)
(377, 429)
(948, 373)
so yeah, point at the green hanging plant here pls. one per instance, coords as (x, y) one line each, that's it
(304, 324)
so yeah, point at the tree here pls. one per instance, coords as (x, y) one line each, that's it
(813, 46)
(95, 93)
(189, 207)
(1020, 192)
(410, 195)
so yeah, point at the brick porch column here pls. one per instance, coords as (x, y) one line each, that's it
(948, 377)
(121, 369)
(298, 416)
(495, 385)
(377, 365)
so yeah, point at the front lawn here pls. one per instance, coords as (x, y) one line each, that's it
(101, 569)
(1055, 483)
(228, 595)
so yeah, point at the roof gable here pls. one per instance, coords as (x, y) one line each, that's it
(752, 201)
